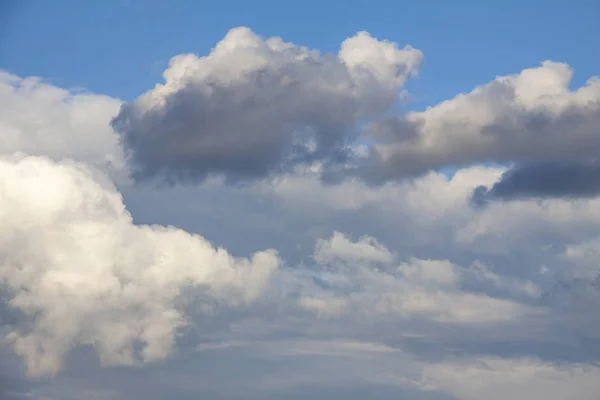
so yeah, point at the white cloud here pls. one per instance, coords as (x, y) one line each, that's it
(80, 270)
(363, 277)
(339, 248)
(39, 118)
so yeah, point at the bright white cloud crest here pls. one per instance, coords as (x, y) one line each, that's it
(74, 262)
(41, 119)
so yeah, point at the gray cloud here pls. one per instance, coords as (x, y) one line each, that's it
(567, 179)
(254, 106)
(532, 116)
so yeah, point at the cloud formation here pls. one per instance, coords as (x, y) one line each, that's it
(574, 179)
(255, 106)
(398, 288)
(39, 118)
(82, 273)
(363, 277)
(532, 116)
(285, 105)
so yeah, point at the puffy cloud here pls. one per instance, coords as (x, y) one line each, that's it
(362, 277)
(528, 117)
(39, 118)
(256, 105)
(82, 273)
(356, 297)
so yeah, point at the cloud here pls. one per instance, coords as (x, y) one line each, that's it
(359, 301)
(286, 105)
(498, 378)
(82, 273)
(570, 179)
(398, 288)
(320, 369)
(340, 248)
(362, 277)
(532, 116)
(254, 106)
(39, 118)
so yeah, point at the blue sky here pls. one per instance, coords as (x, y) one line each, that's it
(120, 47)
(181, 241)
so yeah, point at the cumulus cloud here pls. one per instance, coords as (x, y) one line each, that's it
(82, 273)
(358, 300)
(255, 105)
(363, 277)
(39, 118)
(532, 116)
(286, 104)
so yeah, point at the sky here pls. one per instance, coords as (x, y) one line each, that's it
(304, 200)
(120, 47)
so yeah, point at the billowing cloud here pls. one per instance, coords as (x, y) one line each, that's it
(254, 105)
(39, 118)
(286, 104)
(532, 116)
(82, 273)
